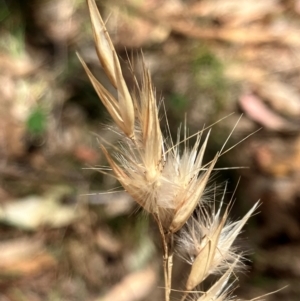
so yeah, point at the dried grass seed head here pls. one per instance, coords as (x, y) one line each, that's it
(157, 177)
(175, 186)
(221, 289)
(121, 110)
(207, 243)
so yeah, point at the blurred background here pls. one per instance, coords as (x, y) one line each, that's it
(61, 236)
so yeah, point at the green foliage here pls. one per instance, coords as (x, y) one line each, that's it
(12, 30)
(36, 122)
(178, 102)
(262, 281)
(209, 76)
(4, 11)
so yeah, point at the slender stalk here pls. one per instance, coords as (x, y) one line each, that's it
(165, 257)
(166, 276)
(170, 261)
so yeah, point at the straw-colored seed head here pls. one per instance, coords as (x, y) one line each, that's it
(104, 45)
(190, 200)
(207, 240)
(122, 109)
(159, 178)
(163, 179)
(173, 188)
(220, 290)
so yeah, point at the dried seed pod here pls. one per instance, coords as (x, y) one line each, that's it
(210, 237)
(203, 261)
(122, 111)
(104, 45)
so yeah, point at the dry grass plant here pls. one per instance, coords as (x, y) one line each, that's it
(167, 183)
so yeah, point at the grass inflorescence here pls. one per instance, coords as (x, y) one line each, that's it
(167, 179)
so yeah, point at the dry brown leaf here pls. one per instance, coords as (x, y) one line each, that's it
(281, 96)
(24, 257)
(235, 13)
(32, 212)
(124, 25)
(135, 286)
(258, 111)
(256, 35)
(107, 242)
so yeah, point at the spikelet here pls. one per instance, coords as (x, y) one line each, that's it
(165, 181)
(207, 243)
(157, 177)
(220, 290)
